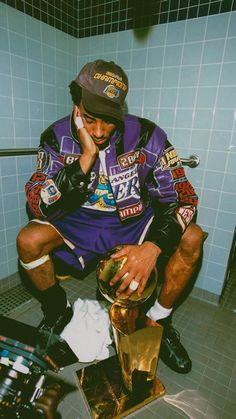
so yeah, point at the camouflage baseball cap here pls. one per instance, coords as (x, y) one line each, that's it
(104, 88)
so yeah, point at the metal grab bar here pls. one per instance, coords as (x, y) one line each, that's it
(192, 161)
(18, 152)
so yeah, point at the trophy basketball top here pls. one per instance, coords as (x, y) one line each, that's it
(107, 268)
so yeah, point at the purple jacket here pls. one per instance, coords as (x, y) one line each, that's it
(143, 169)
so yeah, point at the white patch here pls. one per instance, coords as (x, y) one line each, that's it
(125, 185)
(184, 216)
(50, 193)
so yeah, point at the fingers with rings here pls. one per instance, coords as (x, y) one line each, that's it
(133, 285)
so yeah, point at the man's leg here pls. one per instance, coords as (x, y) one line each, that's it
(181, 265)
(34, 243)
(178, 272)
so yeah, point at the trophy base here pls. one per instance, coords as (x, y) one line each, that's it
(103, 389)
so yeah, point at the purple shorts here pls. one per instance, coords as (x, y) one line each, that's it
(89, 234)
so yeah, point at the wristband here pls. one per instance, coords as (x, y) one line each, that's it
(79, 122)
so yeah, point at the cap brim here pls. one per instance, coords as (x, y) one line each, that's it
(98, 105)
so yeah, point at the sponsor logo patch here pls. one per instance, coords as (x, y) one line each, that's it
(186, 193)
(131, 211)
(37, 177)
(129, 159)
(178, 173)
(184, 216)
(33, 196)
(50, 193)
(170, 159)
(125, 185)
(69, 158)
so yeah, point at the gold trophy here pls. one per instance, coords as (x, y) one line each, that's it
(121, 384)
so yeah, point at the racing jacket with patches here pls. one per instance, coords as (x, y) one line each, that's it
(143, 169)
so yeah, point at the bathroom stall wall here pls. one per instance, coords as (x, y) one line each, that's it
(182, 76)
(37, 62)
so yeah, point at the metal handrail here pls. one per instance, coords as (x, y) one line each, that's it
(192, 161)
(18, 152)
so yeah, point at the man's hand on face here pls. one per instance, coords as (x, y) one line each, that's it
(90, 149)
(141, 260)
(85, 139)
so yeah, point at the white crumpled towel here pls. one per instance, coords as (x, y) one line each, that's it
(88, 333)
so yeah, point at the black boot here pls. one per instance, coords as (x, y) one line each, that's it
(57, 325)
(57, 310)
(172, 352)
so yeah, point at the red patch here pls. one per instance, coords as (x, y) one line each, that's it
(38, 177)
(186, 193)
(185, 215)
(129, 159)
(33, 197)
(131, 211)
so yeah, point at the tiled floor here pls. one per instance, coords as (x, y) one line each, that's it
(208, 391)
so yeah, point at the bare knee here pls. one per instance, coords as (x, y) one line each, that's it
(29, 243)
(35, 241)
(192, 241)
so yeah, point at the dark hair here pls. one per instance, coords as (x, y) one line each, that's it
(76, 92)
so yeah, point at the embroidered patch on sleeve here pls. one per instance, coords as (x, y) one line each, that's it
(69, 158)
(50, 193)
(184, 216)
(33, 196)
(170, 159)
(42, 160)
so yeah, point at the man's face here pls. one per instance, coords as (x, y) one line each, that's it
(99, 129)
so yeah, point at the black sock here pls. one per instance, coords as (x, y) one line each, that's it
(53, 302)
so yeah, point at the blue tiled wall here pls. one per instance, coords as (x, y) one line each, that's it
(37, 62)
(182, 76)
